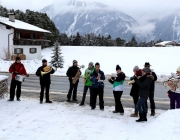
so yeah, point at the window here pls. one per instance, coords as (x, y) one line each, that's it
(18, 51)
(33, 50)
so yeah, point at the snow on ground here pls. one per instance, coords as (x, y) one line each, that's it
(163, 60)
(3, 77)
(29, 120)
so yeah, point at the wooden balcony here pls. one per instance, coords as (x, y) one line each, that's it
(24, 41)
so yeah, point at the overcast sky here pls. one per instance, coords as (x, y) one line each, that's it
(143, 9)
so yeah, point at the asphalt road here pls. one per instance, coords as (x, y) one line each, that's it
(62, 84)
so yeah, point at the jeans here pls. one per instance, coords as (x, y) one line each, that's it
(100, 92)
(85, 92)
(141, 105)
(118, 104)
(174, 99)
(15, 84)
(47, 87)
(135, 99)
(73, 87)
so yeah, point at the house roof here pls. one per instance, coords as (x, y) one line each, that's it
(164, 43)
(21, 25)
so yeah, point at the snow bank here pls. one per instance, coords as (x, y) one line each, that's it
(163, 60)
(30, 120)
(3, 77)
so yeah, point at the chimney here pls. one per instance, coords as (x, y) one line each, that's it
(12, 17)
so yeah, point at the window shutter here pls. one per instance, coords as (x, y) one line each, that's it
(15, 51)
(21, 51)
(35, 50)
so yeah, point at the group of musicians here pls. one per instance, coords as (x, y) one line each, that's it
(143, 85)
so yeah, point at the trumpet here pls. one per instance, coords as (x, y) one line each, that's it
(46, 70)
(133, 81)
(175, 82)
(113, 75)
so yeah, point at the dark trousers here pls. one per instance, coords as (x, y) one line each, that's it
(141, 105)
(15, 84)
(135, 99)
(118, 104)
(47, 87)
(73, 87)
(85, 92)
(151, 99)
(174, 99)
(96, 92)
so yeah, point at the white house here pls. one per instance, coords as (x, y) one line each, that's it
(17, 37)
(167, 44)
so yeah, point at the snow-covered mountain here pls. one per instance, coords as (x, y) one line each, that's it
(90, 17)
(168, 28)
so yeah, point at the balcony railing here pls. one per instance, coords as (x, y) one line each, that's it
(23, 41)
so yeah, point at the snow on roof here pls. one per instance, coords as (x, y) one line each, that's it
(21, 25)
(163, 43)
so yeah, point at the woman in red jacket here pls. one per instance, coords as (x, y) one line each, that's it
(16, 68)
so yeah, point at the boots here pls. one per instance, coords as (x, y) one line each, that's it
(140, 117)
(152, 113)
(134, 115)
(144, 116)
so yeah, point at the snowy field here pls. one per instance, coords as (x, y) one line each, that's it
(163, 60)
(29, 120)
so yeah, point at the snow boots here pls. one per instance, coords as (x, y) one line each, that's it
(142, 117)
(134, 115)
(152, 113)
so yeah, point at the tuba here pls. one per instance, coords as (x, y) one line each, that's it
(77, 76)
(175, 79)
(46, 70)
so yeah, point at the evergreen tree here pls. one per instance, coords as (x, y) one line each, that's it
(57, 58)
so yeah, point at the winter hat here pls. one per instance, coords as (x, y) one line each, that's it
(91, 64)
(118, 67)
(18, 58)
(147, 64)
(146, 70)
(44, 61)
(178, 69)
(136, 68)
(74, 61)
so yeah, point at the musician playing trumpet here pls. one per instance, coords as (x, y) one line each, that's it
(44, 73)
(118, 80)
(174, 93)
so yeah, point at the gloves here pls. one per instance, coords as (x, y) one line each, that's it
(15, 72)
(169, 93)
(27, 75)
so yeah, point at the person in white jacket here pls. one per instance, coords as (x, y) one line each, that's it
(174, 93)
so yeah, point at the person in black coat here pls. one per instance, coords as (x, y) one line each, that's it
(71, 73)
(151, 90)
(144, 86)
(135, 89)
(45, 81)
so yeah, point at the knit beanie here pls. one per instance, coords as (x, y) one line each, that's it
(136, 68)
(118, 67)
(146, 70)
(74, 61)
(44, 61)
(178, 69)
(91, 64)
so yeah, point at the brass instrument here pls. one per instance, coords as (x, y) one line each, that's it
(175, 79)
(85, 78)
(77, 76)
(46, 70)
(133, 81)
(113, 75)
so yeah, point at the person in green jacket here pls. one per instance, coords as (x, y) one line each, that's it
(87, 83)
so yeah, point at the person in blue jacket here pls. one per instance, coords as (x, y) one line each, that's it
(97, 78)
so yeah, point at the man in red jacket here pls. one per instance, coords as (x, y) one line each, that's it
(16, 68)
